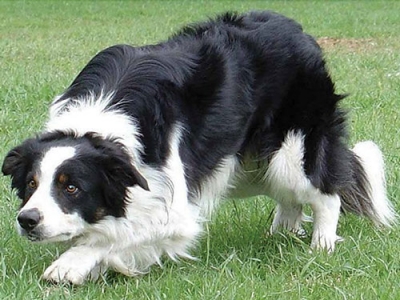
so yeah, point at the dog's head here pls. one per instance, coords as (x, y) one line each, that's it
(67, 183)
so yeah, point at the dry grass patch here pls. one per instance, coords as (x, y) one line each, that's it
(347, 44)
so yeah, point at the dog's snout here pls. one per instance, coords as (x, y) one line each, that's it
(29, 219)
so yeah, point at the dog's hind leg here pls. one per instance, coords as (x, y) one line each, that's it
(286, 180)
(326, 211)
(289, 217)
(289, 186)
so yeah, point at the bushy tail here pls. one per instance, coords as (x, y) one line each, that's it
(366, 195)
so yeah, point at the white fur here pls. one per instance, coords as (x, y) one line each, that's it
(215, 187)
(287, 183)
(326, 209)
(76, 265)
(289, 217)
(94, 115)
(290, 187)
(372, 161)
(54, 224)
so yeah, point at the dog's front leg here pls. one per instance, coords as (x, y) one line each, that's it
(76, 265)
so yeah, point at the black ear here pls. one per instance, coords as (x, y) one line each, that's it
(120, 169)
(17, 164)
(139, 179)
(117, 164)
(12, 162)
(118, 174)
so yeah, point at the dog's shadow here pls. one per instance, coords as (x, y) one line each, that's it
(237, 235)
(241, 229)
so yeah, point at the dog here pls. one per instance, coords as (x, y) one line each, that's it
(140, 148)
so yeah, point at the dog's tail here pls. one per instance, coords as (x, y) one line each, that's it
(366, 194)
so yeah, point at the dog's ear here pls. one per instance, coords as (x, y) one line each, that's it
(17, 164)
(12, 161)
(139, 179)
(118, 174)
(117, 165)
(120, 169)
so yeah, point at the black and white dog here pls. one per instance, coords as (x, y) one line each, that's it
(140, 147)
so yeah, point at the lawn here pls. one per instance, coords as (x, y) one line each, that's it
(44, 44)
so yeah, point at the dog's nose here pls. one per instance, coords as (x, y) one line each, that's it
(28, 219)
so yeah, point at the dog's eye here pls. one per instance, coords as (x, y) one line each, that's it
(32, 184)
(71, 189)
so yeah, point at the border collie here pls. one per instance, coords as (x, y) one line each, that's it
(140, 147)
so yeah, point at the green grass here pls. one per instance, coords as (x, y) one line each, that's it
(44, 44)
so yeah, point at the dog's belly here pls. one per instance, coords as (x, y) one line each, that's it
(246, 190)
(249, 182)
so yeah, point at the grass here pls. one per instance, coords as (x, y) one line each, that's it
(43, 46)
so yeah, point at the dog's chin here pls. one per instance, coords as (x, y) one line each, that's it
(37, 236)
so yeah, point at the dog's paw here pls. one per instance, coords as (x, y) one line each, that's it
(59, 272)
(325, 242)
(290, 224)
(73, 267)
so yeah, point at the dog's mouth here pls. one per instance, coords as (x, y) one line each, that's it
(33, 237)
(37, 236)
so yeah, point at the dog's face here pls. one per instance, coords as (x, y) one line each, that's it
(68, 183)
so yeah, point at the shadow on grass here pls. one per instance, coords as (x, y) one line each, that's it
(240, 233)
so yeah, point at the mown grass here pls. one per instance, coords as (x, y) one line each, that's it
(44, 44)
